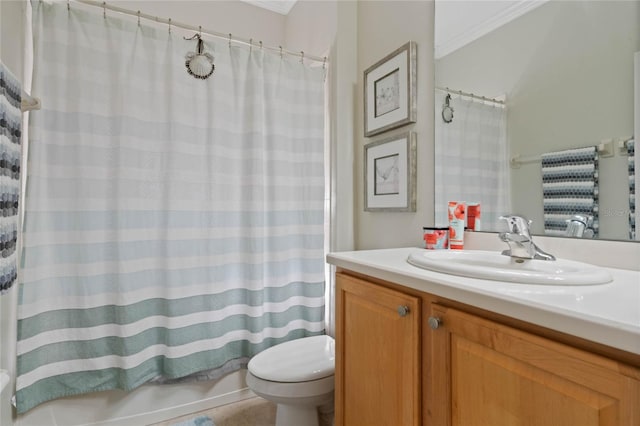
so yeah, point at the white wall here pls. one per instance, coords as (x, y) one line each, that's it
(223, 16)
(343, 110)
(11, 41)
(383, 26)
(311, 26)
(567, 86)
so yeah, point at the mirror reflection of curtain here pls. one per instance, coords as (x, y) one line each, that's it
(634, 217)
(632, 189)
(471, 159)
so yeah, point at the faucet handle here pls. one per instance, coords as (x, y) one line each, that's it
(585, 219)
(513, 237)
(517, 224)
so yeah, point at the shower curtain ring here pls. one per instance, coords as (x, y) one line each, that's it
(104, 9)
(260, 44)
(302, 56)
(280, 51)
(138, 18)
(250, 45)
(169, 25)
(229, 39)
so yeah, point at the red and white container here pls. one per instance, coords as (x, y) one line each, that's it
(473, 217)
(457, 212)
(435, 238)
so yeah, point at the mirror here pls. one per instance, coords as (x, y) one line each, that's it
(564, 71)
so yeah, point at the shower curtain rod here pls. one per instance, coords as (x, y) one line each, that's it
(471, 95)
(171, 23)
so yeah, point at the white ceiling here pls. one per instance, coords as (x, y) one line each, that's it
(280, 6)
(458, 23)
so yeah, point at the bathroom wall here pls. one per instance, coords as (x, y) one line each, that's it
(343, 102)
(311, 27)
(383, 26)
(223, 16)
(12, 42)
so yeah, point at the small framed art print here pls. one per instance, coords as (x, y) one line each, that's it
(390, 174)
(390, 91)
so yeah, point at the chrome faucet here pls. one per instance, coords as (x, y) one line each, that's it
(521, 244)
(580, 226)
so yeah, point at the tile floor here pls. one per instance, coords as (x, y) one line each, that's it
(250, 412)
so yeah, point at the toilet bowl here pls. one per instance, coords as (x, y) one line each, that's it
(298, 376)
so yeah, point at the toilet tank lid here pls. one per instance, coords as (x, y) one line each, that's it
(300, 360)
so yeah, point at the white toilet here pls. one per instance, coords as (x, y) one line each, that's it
(298, 376)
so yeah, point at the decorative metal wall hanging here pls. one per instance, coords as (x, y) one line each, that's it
(199, 63)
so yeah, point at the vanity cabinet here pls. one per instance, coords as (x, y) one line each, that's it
(457, 365)
(377, 355)
(486, 373)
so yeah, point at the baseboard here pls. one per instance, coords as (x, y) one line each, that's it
(181, 410)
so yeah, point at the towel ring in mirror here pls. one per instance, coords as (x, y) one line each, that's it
(447, 110)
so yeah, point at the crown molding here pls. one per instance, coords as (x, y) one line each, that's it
(282, 7)
(473, 33)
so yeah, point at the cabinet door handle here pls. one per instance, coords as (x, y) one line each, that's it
(403, 310)
(434, 322)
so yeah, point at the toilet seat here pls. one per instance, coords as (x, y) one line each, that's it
(300, 360)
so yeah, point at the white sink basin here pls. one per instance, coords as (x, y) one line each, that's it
(494, 266)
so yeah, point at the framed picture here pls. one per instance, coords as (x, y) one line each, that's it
(390, 91)
(390, 174)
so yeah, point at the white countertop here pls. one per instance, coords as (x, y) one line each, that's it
(608, 313)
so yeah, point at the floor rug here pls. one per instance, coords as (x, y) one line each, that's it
(196, 421)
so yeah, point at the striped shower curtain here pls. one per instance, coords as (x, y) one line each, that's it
(173, 225)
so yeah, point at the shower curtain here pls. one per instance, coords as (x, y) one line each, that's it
(471, 159)
(173, 225)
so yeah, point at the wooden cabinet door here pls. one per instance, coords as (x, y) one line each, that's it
(377, 355)
(485, 373)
